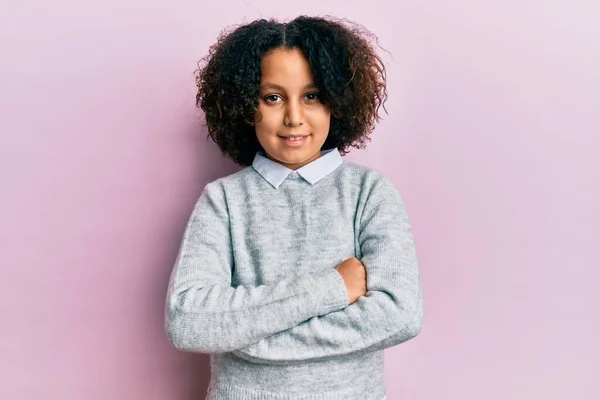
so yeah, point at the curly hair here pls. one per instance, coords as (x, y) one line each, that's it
(348, 72)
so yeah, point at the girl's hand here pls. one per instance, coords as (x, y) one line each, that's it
(355, 277)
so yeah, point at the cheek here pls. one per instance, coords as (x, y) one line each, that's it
(266, 120)
(321, 120)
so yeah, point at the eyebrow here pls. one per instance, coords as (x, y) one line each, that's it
(274, 86)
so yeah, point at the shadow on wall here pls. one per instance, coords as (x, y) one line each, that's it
(199, 367)
(209, 162)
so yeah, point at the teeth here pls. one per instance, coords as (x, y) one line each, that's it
(295, 139)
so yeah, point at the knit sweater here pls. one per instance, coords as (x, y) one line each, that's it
(255, 285)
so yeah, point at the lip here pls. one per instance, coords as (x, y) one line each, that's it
(291, 136)
(293, 143)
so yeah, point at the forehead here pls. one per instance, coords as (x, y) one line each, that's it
(286, 67)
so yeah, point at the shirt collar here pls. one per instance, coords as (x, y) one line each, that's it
(313, 172)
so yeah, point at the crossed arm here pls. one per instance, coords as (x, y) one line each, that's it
(301, 317)
(390, 313)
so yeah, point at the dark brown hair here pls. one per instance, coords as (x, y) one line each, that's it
(348, 72)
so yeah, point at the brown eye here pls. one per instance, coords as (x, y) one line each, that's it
(272, 98)
(313, 97)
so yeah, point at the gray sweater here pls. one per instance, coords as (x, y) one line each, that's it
(254, 283)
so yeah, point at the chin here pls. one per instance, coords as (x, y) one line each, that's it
(297, 158)
(292, 155)
(292, 159)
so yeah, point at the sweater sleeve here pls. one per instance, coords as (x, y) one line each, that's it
(204, 313)
(389, 314)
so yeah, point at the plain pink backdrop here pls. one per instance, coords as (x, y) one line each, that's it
(492, 137)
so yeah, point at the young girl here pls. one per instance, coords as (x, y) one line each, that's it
(297, 271)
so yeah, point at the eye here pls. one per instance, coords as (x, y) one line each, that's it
(313, 97)
(272, 98)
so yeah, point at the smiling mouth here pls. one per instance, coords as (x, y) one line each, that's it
(294, 138)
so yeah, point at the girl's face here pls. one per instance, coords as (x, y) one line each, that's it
(291, 123)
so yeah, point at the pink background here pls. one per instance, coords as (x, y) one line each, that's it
(493, 138)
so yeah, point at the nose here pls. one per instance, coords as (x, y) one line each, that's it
(294, 114)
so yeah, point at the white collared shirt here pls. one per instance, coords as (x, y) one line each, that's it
(313, 172)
